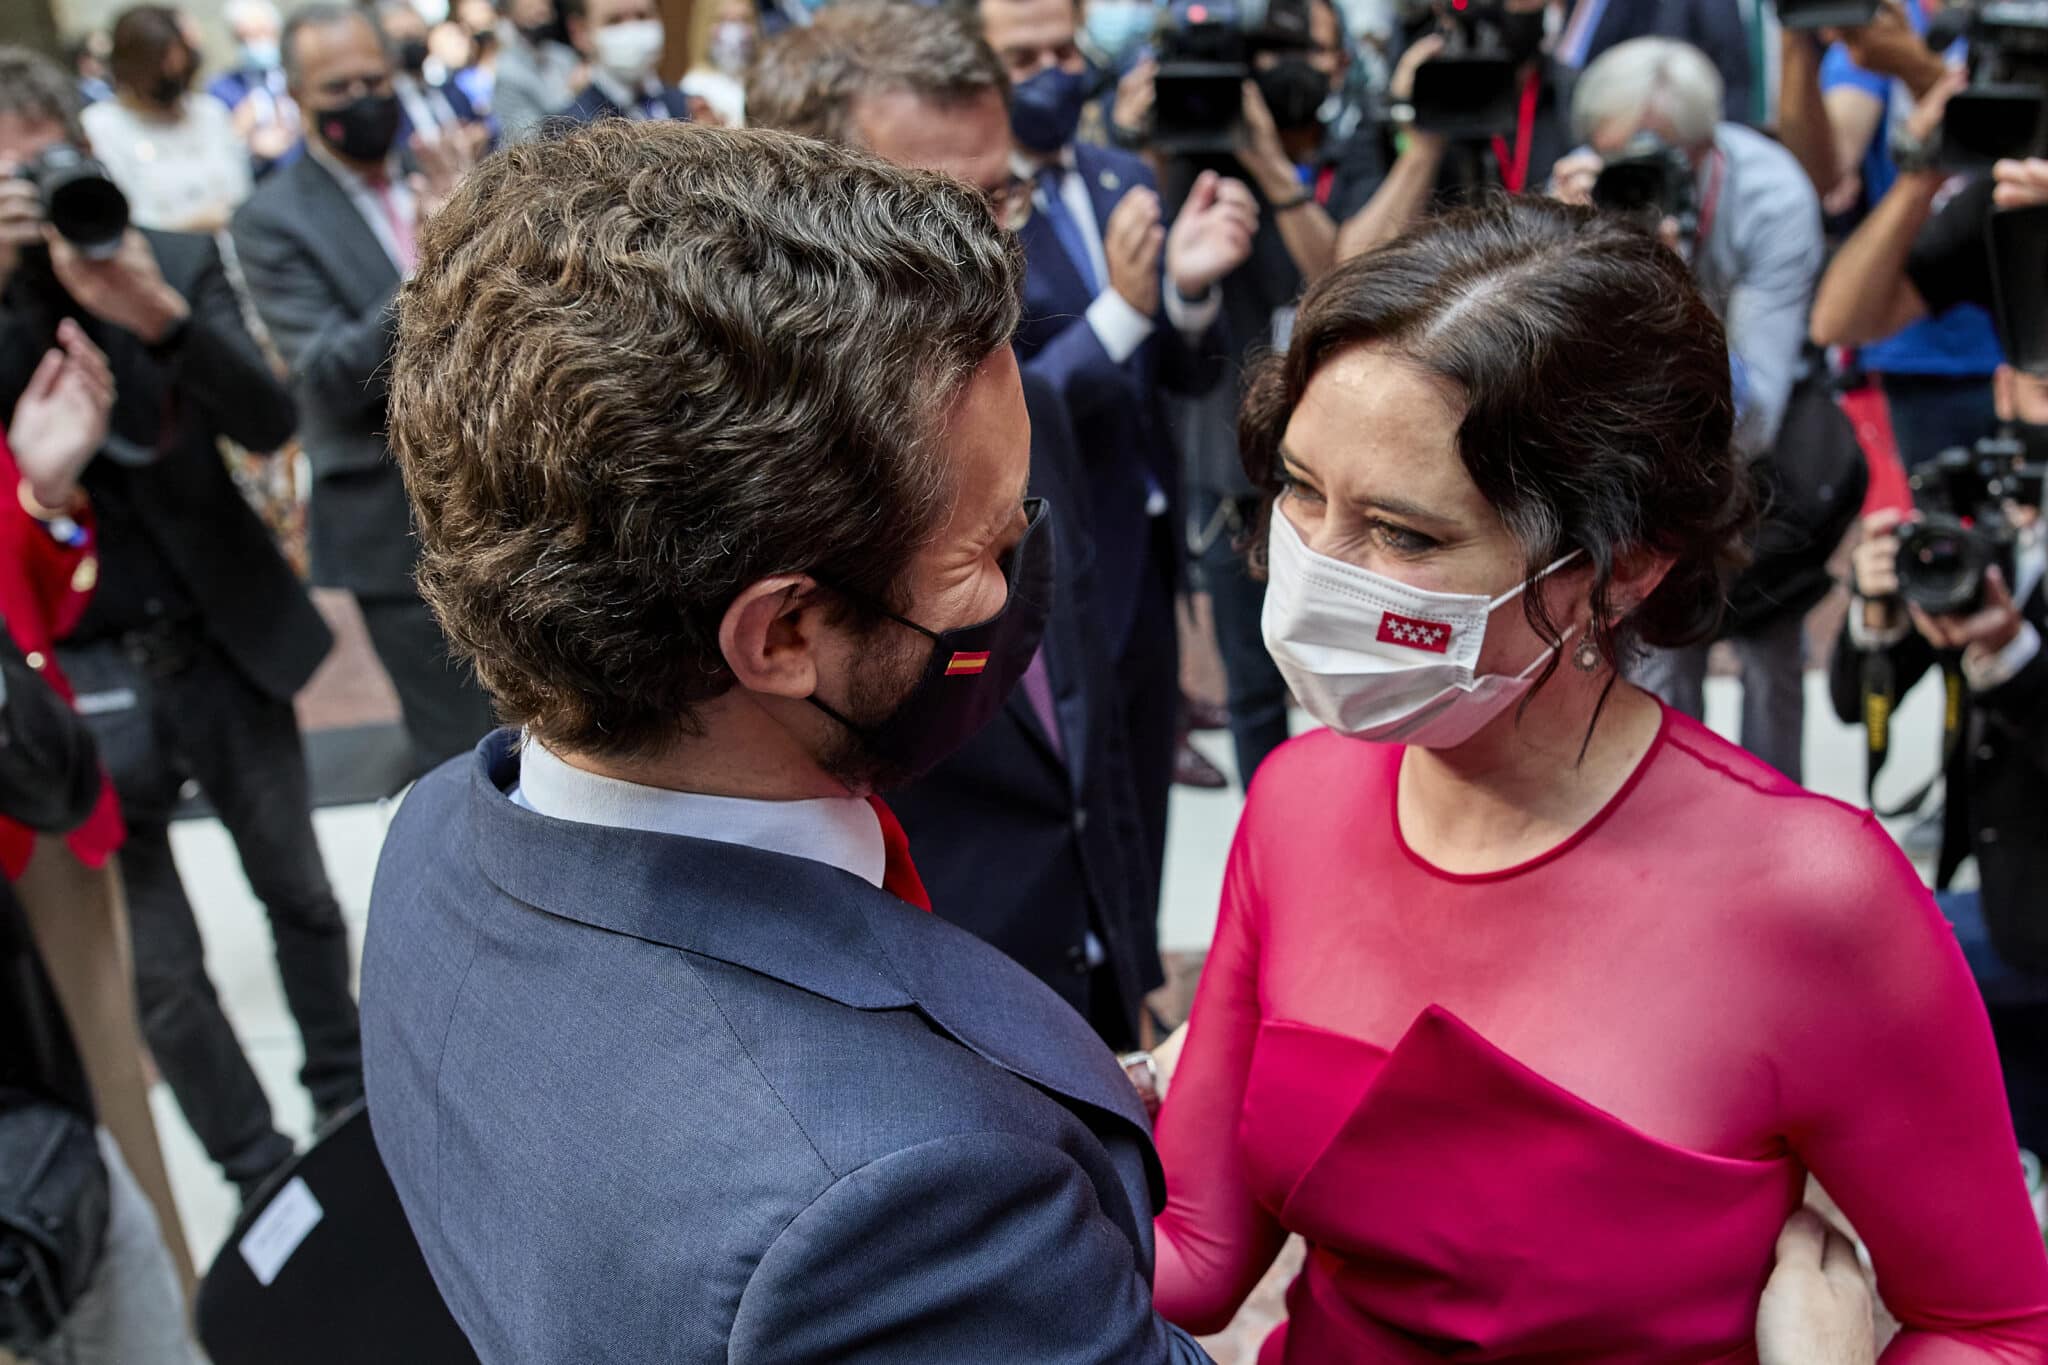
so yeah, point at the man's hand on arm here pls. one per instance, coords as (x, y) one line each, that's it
(127, 289)
(1816, 1308)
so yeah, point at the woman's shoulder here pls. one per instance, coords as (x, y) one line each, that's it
(1316, 771)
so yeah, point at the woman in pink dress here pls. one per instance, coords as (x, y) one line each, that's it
(1534, 1015)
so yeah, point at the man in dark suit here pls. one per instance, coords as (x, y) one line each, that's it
(665, 968)
(324, 244)
(1045, 791)
(1028, 836)
(622, 41)
(196, 640)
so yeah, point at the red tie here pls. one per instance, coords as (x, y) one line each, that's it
(401, 229)
(899, 874)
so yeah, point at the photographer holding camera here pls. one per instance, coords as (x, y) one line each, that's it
(1939, 607)
(199, 634)
(1741, 210)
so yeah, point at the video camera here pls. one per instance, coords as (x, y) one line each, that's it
(1962, 530)
(1651, 180)
(1468, 90)
(79, 199)
(1205, 56)
(2004, 113)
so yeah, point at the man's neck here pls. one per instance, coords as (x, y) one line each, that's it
(742, 752)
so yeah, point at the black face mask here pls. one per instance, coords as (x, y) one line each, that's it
(168, 90)
(1295, 91)
(1522, 34)
(971, 669)
(363, 129)
(537, 33)
(412, 55)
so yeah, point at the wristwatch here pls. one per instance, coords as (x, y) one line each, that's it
(1143, 1074)
(1911, 155)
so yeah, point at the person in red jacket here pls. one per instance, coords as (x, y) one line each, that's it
(70, 892)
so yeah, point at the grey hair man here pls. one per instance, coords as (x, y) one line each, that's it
(1754, 239)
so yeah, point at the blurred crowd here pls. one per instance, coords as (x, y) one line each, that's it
(201, 263)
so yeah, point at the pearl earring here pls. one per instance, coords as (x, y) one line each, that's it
(1586, 658)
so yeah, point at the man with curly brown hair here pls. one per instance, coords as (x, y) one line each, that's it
(719, 452)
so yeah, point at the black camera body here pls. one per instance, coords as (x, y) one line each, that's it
(1468, 91)
(1962, 530)
(1206, 51)
(2004, 112)
(79, 199)
(1651, 180)
(1816, 14)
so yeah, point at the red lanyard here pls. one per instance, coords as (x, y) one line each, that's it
(1711, 200)
(1514, 172)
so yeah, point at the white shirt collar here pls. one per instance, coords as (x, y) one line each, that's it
(841, 832)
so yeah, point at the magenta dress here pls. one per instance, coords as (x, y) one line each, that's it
(1559, 1113)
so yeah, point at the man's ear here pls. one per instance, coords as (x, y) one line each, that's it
(771, 634)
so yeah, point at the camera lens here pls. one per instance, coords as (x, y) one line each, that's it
(79, 200)
(1941, 565)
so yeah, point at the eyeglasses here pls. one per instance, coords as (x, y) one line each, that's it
(1011, 203)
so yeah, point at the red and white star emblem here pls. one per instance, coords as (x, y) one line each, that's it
(1433, 636)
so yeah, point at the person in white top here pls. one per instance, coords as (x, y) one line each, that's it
(173, 151)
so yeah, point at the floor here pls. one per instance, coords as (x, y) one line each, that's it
(1202, 822)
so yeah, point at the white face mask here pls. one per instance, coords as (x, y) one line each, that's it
(629, 51)
(1375, 659)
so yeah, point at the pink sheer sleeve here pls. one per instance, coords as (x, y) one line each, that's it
(1214, 1238)
(1894, 1100)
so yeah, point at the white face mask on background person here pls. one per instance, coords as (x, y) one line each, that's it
(1375, 659)
(628, 52)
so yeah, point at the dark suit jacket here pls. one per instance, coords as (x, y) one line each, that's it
(458, 104)
(594, 105)
(1029, 846)
(652, 1099)
(324, 286)
(1997, 781)
(1117, 409)
(171, 407)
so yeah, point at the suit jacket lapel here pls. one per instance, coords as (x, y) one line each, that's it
(362, 265)
(1053, 287)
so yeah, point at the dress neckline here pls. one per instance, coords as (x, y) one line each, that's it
(1555, 851)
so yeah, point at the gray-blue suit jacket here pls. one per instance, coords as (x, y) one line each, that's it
(648, 1098)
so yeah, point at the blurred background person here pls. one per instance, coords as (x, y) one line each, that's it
(621, 43)
(253, 89)
(1732, 34)
(1935, 370)
(1121, 307)
(478, 77)
(1753, 240)
(1045, 789)
(197, 639)
(173, 151)
(324, 244)
(431, 109)
(107, 1282)
(720, 78)
(535, 72)
(87, 57)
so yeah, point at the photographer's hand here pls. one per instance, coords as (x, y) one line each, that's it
(127, 289)
(1874, 569)
(1984, 632)
(1572, 179)
(1213, 234)
(1260, 151)
(61, 420)
(2020, 184)
(1132, 112)
(21, 220)
(1888, 46)
(1401, 86)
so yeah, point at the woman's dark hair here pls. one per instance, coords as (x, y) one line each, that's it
(1599, 415)
(142, 37)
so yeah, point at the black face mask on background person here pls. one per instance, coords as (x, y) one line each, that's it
(970, 671)
(166, 91)
(412, 55)
(538, 33)
(1295, 92)
(363, 129)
